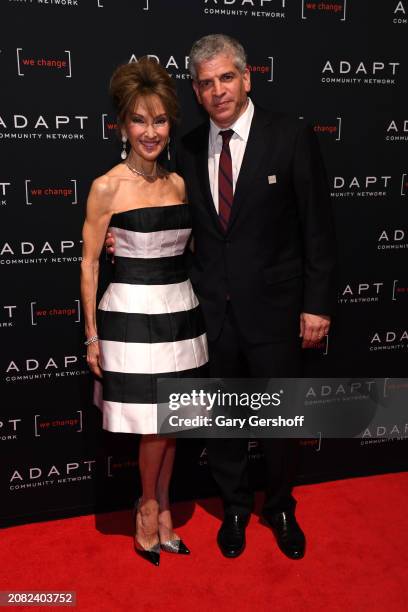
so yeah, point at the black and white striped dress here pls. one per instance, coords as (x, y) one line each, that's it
(149, 321)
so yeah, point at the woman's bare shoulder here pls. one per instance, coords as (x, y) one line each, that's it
(179, 184)
(107, 184)
(102, 193)
(176, 178)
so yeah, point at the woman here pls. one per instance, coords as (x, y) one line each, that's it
(148, 324)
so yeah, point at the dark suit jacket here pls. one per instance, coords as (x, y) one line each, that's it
(277, 258)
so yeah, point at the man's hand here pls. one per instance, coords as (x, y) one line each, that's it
(110, 244)
(313, 327)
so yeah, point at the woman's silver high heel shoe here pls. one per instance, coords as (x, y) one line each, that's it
(175, 546)
(151, 554)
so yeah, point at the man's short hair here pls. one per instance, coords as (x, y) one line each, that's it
(209, 46)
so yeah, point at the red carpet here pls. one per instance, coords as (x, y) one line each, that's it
(357, 557)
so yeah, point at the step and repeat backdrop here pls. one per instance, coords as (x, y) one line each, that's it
(341, 66)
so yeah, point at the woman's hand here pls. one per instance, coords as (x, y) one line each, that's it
(93, 359)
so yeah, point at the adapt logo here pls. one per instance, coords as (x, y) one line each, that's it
(324, 9)
(389, 340)
(384, 433)
(359, 292)
(376, 72)
(36, 194)
(40, 252)
(401, 12)
(338, 391)
(396, 131)
(363, 292)
(376, 186)
(361, 186)
(43, 127)
(263, 9)
(27, 477)
(391, 239)
(31, 62)
(177, 67)
(40, 368)
(351, 402)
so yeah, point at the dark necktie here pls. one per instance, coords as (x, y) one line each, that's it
(225, 186)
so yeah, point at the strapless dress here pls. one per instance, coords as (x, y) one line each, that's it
(149, 320)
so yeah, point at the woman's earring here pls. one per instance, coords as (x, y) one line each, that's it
(168, 149)
(124, 152)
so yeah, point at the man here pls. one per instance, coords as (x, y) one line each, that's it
(262, 267)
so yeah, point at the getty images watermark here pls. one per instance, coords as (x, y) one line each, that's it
(224, 401)
(282, 407)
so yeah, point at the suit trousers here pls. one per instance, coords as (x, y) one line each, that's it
(231, 357)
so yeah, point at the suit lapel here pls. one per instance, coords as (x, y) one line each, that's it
(254, 151)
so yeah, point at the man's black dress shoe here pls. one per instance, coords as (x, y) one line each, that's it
(231, 536)
(289, 536)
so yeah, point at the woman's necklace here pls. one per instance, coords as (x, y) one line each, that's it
(141, 173)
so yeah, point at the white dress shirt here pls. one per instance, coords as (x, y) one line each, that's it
(238, 143)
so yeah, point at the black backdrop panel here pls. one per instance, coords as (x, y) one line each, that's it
(337, 65)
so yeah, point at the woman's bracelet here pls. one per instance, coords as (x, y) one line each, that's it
(91, 340)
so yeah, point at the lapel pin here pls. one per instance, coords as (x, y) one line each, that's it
(272, 179)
